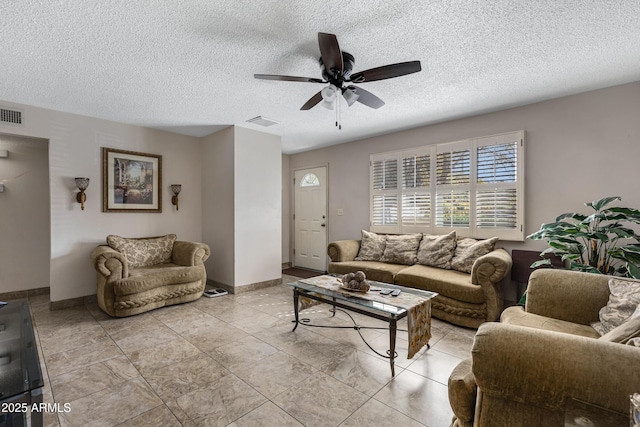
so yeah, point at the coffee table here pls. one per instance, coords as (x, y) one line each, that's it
(353, 301)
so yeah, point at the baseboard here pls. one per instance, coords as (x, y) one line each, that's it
(72, 302)
(4, 296)
(286, 265)
(244, 288)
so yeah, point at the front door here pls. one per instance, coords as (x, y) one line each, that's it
(310, 219)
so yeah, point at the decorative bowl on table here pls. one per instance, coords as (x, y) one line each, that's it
(356, 282)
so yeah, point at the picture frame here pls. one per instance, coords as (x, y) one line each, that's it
(131, 181)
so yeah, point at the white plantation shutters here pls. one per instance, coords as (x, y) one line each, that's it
(453, 185)
(498, 186)
(384, 193)
(416, 189)
(475, 187)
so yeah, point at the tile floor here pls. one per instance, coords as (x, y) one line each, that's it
(233, 361)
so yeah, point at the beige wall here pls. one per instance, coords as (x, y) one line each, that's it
(286, 215)
(217, 204)
(24, 214)
(74, 150)
(578, 148)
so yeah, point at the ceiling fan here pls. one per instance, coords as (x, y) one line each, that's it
(336, 67)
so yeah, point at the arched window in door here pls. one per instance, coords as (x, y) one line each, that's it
(310, 180)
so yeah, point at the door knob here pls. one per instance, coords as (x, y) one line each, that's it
(323, 225)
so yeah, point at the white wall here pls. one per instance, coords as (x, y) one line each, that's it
(579, 148)
(218, 199)
(258, 206)
(74, 150)
(24, 214)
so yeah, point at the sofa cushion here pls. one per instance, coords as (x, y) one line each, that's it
(628, 330)
(377, 271)
(437, 251)
(624, 298)
(143, 252)
(469, 250)
(146, 278)
(401, 249)
(449, 283)
(371, 246)
(517, 316)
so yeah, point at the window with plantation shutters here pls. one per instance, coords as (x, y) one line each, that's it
(474, 186)
(416, 191)
(498, 204)
(384, 193)
(453, 185)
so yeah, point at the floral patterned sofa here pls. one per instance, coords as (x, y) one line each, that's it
(466, 273)
(138, 275)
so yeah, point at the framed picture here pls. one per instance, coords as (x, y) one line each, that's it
(131, 182)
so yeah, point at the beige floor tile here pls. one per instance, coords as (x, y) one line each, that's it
(247, 350)
(363, 372)
(280, 334)
(120, 326)
(375, 413)
(159, 416)
(274, 374)
(194, 321)
(456, 344)
(320, 352)
(80, 357)
(435, 365)
(165, 354)
(266, 415)
(219, 404)
(212, 334)
(256, 323)
(89, 336)
(320, 400)
(111, 406)
(90, 379)
(70, 328)
(173, 381)
(234, 312)
(130, 341)
(418, 397)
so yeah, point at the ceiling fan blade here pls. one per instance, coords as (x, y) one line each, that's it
(386, 72)
(368, 99)
(330, 51)
(313, 101)
(288, 78)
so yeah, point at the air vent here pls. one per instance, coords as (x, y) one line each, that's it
(262, 121)
(13, 117)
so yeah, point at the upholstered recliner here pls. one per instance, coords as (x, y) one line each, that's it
(545, 362)
(138, 275)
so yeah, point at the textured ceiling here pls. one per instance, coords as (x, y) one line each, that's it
(187, 66)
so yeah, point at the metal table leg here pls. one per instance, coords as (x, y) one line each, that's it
(392, 345)
(295, 307)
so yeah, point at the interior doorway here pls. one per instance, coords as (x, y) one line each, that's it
(310, 218)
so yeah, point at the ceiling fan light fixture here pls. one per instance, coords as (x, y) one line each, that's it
(350, 96)
(329, 93)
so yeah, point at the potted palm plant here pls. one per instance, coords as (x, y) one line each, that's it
(602, 242)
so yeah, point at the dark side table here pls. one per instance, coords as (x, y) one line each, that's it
(20, 375)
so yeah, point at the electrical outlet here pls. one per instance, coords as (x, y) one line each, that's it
(340, 212)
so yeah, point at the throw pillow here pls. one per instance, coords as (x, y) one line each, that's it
(469, 250)
(628, 330)
(437, 251)
(402, 249)
(623, 301)
(371, 246)
(634, 342)
(144, 252)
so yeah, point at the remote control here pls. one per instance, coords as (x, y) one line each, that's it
(386, 291)
(395, 293)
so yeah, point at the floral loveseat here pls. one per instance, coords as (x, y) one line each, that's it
(138, 275)
(465, 273)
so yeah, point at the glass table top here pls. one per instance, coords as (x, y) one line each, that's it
(355, 297)
(19, 364)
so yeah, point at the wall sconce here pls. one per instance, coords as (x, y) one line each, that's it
(82, 184)
(176, 188)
